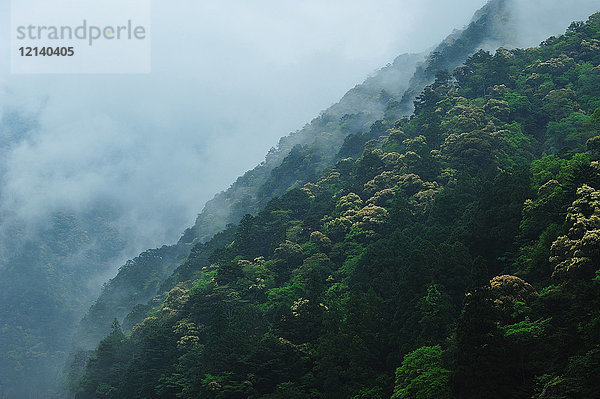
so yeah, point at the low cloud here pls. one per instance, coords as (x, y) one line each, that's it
(228, 79)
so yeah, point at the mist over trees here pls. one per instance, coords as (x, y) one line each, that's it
(375, 253)
(455, 255)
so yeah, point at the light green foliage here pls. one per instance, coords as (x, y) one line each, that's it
(578, 252)
(421, 375)
(596, 116)
(526, 329)
(517, 103)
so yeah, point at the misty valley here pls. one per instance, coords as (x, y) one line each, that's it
(433, 234)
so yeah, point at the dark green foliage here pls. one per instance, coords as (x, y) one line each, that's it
(106, 366)
(478, 367)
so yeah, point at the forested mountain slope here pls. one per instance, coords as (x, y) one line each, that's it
(301, 157)
(456, 256)
(387, 91)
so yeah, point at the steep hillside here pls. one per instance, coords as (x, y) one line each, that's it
(300, 157)
(391, 90)
(455, 257)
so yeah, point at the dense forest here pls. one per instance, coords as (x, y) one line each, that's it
(299, 158)
(55, 259)
(451, 254)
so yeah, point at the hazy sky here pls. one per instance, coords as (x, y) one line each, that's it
(228, 79)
